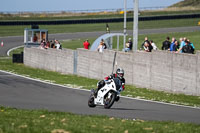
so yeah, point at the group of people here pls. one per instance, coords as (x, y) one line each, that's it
(101, 47)
(50, 44)
(148, 46)
(184, 46)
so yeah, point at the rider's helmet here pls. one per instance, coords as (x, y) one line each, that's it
(120, 73)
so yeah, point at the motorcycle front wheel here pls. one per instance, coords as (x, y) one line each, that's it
(109, 99)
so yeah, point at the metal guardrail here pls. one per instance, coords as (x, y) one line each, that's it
(106, 20)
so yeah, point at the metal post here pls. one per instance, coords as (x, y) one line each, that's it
(117, 42)
(135, 25)
(125, 6)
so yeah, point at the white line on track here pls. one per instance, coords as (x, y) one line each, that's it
(89, 90)
(8, 53)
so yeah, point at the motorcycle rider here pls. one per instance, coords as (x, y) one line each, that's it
(118, 77)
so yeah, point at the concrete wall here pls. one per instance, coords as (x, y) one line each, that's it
(50, 59)
(160, 70)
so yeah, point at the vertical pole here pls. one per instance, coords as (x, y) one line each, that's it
(111, 42)
(118, 43)
(135, 25)
(125, 1)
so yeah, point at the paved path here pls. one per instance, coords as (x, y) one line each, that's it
(24, 93)
(10, 42)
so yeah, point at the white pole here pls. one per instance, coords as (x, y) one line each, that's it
(135, 25)
(125, 6)
(118, 43)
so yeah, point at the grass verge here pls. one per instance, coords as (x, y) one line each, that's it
(72, 28)
(42, 121)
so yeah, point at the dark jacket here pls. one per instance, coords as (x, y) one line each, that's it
(188, 49)
(166, 45)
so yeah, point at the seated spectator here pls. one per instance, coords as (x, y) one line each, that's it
(86, 44)
(187, 48)
(172, 44)
(145, 40)
(129, 45)
(147, 47)
(153, 45)
(176, 46)
(166, 44)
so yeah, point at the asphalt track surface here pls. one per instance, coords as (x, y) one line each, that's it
(11, 42)
(25, 93)
(19, 92)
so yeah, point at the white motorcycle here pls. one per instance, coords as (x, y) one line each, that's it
(107, 95)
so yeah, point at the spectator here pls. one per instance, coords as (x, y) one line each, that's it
(129, 45)
(86, 44)
(145, 40)
(172, 44)
(147, 47)
(181, 46)
(191, 44)
(52, 44)
(35, 38)
(166, 44)
(57, 45)
(42, 44)
(187, 48)
(104, 44)
(47, 45)
(153, 45)
(100, 47)
(176, 46)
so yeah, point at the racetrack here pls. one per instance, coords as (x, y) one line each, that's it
(19, 92)
(11, 42)
(24, 93)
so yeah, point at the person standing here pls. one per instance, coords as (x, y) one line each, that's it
(172, 44)
(86, 44)
(166, 44)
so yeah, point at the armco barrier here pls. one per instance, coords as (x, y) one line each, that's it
(159, 70)
(106, 20)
